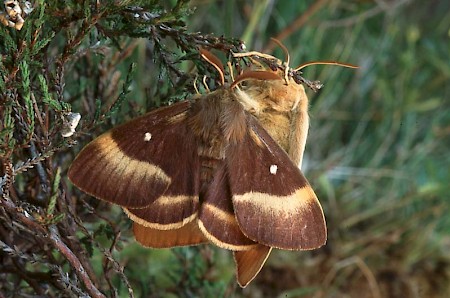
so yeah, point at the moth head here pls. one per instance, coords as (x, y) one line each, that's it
(253, 75)
(282, 68)
(267, 91)
(271, 88)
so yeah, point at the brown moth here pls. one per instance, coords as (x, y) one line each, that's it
(221, 167)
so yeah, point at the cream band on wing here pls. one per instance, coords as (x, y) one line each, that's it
(127, 166)
(163, 227)
(269, 203)
(292, 222)
(160, 207)
(166, 201)
(230, 227)
(219, 213)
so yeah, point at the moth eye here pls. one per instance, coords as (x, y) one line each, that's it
(147, 136)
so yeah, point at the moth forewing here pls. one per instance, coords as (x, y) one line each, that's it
(282, 110)
(126, 167)
(278, 210)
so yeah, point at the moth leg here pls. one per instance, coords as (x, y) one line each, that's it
(230, 69)
(205, 84)
(195, 85)
(285, 63)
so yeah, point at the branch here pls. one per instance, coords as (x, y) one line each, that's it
(76, 264)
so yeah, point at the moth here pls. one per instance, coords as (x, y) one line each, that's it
(219, 168)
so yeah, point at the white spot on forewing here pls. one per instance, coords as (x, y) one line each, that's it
(147, 136)
(273, 169)
(128, 167)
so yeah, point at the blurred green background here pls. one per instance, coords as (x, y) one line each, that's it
(378, 152)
